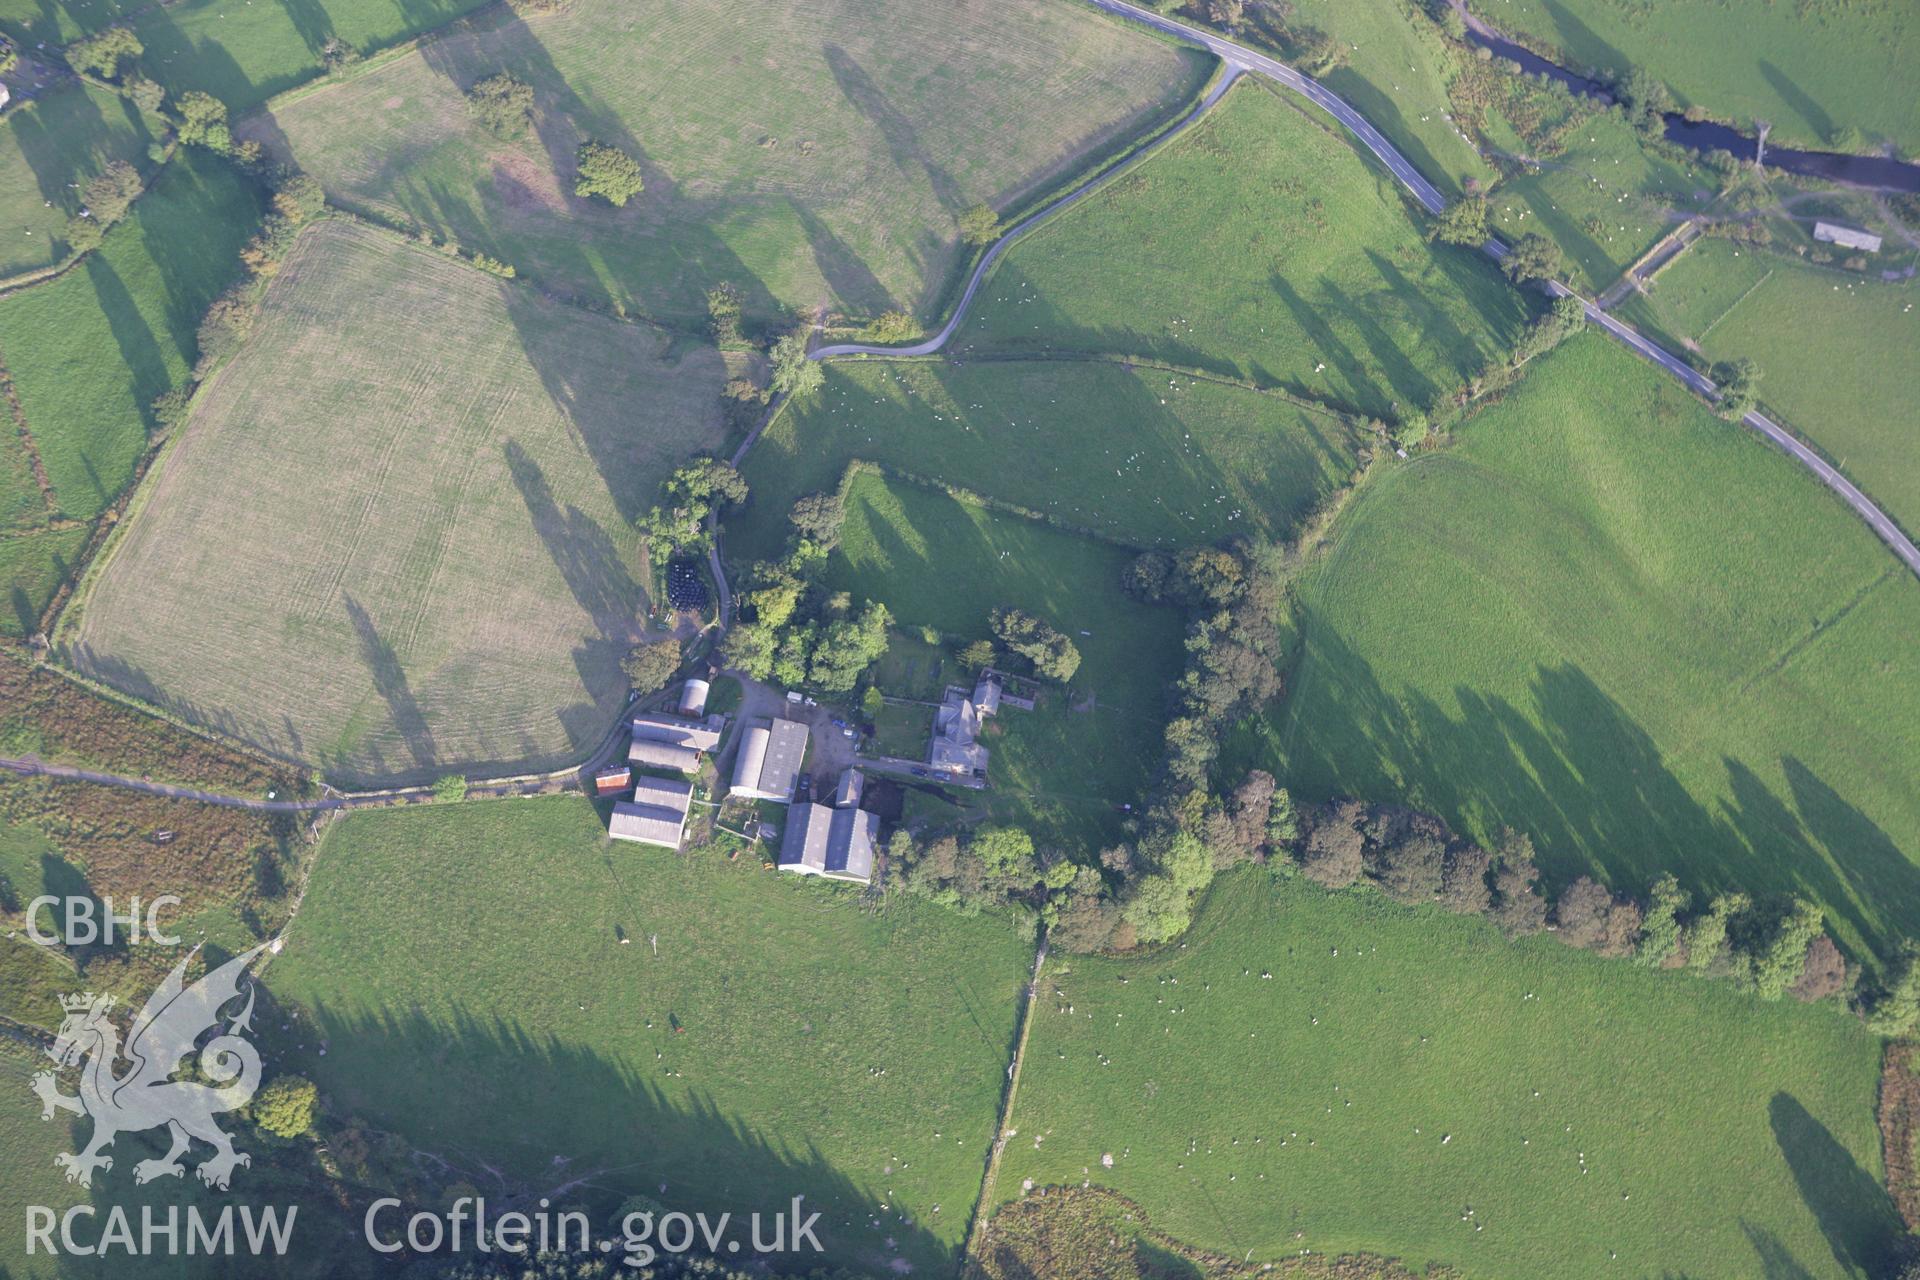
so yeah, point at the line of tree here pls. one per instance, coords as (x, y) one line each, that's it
(1142, 890)
(1772, 947)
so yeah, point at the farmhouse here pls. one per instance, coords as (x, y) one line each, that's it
(657, 814)
(673, 742)
(837, 843)
(1846, 237)
(771, 752)
(955, 748)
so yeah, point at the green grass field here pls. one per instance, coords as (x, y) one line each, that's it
(808, 154)
(32, 567)
(1831, 344)
(1135, 455)
(1815, 69)
(90, 350)
(1549, 627)
(1604, 200)
(1062, 769)
(420, 536)
(782, 1040)
(1412, 1084)
(1396, 75)
(1258, 245)
(49, 147)
(244, 53)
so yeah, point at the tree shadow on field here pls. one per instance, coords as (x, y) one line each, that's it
(581, 550)
(565, 249)
(1776, 1260)
(896, 129)
(1584, 44)
(1379, 108)
(1574, 770)
(597, 577)
(1854, 1211)
(518, 1114)
(140, 352)
(1794, 96)
(1362, 395)
(390, 682)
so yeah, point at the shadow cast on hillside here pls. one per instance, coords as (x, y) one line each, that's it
(1574, 770)
(518, 1115)
(1854, 1211)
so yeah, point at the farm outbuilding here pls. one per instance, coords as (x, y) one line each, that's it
(771, 753)
(1846, 237)
(673, 742)
(836, 843)
(608, 781)
(657, 814)
(693, 698)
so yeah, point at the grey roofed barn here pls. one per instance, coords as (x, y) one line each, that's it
(663, 755)
(836, 843)
(771, 752)
(1846, 237)
(657, 815)
(699, 735)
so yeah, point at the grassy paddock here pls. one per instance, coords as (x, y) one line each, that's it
(422, 548)
(1605, 200)
(1412, 1084)
(1261, 246)
(1062, 769)
(90, 350)
(1815, 70)
(757, 1037)
(1547, 627)
(1135, 455)
(805, 153)
(1835, 348)
(50, 146)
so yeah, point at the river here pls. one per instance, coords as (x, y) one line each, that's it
(1872, 173)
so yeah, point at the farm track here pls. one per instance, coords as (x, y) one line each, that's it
(1240, 60)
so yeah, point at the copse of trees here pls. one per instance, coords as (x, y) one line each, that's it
(607, 172)
(794, 374)
(108, 196)
(1739, 381)
(1053, 655)
(1464, 222)
(695, 490)
(502, 105)
(1533, 257)
(102, 53)
(650, 666)
(789, 629)
(202, 122)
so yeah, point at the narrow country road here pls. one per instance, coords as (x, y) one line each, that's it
(1020, 228)
(1239, 60)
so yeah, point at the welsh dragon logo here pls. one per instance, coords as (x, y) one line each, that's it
(145, 1095)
